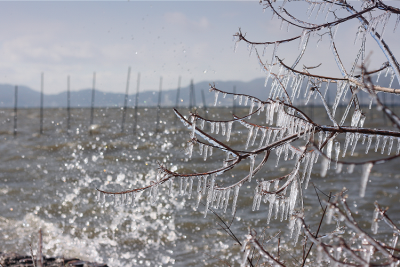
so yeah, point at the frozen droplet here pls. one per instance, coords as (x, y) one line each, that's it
(216, 97)
(366, 170)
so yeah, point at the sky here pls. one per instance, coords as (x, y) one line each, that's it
(168, 39)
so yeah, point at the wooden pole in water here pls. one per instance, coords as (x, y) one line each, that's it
(136, 104)
(125, 100)
(15, 110)
(159, 105)
(192, 100)
(41, 104)
(68, 105)
(204, 104)
(93, 91)
(234, 105)
(178, 91)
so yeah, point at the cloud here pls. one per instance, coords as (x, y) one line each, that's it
(181, 20)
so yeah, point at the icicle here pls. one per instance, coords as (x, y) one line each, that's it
(339, 168)
(337, 150)
(329, 214)
(378, 138)
(348, 138)
(272, 198)
(251, 106)
(235, 196)
(210, 148)
(252, 160)
(201, 146)
(293, 195)
(364, 137)
(297, 232)
(329, 151)
(216, 97)
(384, 144)
(369, 143)
(395, 239)
(324, 166)
(205, 150)
(223, 128)
(254, 135)
(350, 168)
(193, 127)
(204, 184)
(374, 224)
(246, 99)
(274, 52)
(171, 183)
(181, 186)
(210, 196)
(240, 100)
(249, 136)
(133, 199)
(216, 127)
(390, 145)
(264, 133)
(310, 167)
(218, 196)
(398, 145)
(227, 199)
(366, 170)
(212, 126)
(229, 130)
(356, 137)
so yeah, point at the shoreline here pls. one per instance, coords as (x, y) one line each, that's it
(14, 259)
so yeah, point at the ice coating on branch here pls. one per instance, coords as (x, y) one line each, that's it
(366, 170)
(329, 214)
(374, 224)
(216, 97)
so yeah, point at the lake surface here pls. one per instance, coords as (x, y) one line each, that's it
(49, 181)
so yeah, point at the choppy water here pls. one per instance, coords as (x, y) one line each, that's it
(48, 181)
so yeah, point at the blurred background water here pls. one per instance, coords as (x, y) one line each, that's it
(49, 181)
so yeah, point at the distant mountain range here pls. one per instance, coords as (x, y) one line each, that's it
(28, 98)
